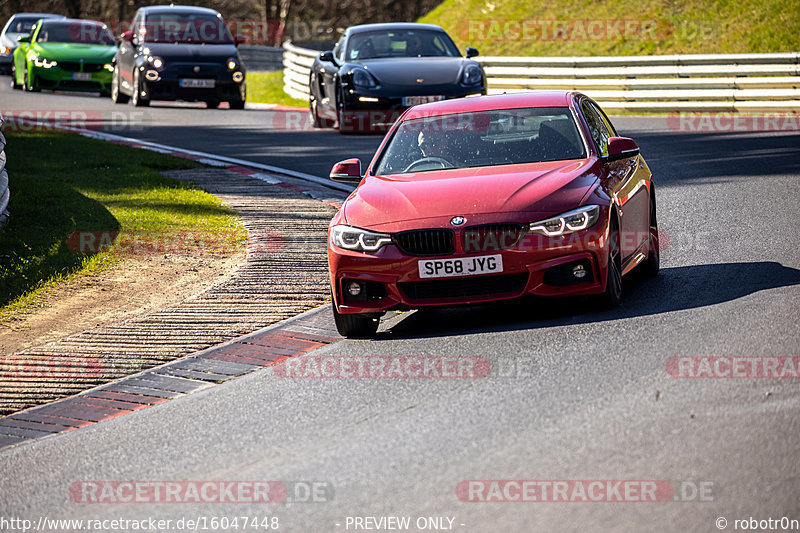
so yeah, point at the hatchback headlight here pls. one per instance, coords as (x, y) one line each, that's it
(569, 222)
(156, 62)
(231, 63)
(473, 75)
(358, 239)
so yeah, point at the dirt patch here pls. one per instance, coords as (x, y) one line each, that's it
(135, 285)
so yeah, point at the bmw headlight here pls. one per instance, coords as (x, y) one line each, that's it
(363, 79)
(358, 239)
(109, 67)
(569, 222)
(473, 75)
(44, 62)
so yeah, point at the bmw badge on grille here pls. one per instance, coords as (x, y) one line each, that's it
(458, 221)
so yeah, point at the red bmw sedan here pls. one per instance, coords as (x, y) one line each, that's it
(491, 198)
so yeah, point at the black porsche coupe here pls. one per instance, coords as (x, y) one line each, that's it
(376, 71)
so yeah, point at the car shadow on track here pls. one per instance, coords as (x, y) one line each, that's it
(675, 289)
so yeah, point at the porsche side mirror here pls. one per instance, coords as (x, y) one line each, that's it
(24, 38)
(621, 148)
(472, 52)
(348, 170)
(327, 56)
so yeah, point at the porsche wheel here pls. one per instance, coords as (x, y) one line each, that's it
(116, 95)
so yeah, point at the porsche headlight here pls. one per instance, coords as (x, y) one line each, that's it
(358, 239)
(569, 222)
(473, 75)
(362, 79)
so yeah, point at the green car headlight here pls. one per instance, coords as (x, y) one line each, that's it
(43, 62)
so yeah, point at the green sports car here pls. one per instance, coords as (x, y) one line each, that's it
(65, 54)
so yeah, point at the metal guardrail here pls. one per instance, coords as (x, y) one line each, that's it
(5, 193)
(264, 58)
(728, 82)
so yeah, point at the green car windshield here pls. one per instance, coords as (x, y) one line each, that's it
(75, 32)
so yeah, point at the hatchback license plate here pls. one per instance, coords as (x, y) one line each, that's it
(191, 83)
(416, 100)
(462, 266)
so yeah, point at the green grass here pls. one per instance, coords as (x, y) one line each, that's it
(63, 183)
(267, 88)
(675, 26)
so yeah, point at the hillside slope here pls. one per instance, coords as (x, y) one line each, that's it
(622, 27)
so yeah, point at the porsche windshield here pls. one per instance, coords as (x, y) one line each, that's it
(400, 43)
(482, 139)
(76, 32)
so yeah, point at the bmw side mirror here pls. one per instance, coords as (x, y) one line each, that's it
(327, 56)
(621, 148)
(348, 170)
(24, 38)
(472, 52)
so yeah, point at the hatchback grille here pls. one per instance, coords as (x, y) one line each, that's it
(491, 237)
(425, 242)
(448, 289)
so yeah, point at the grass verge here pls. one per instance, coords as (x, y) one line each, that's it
(267, 88)
(622, 27)
(64, 186)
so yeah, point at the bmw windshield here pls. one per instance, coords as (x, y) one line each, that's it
(482, 139)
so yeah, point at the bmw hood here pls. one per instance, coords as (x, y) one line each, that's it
(192, 52)
(94, 53)
(405, 71)
(390, 203)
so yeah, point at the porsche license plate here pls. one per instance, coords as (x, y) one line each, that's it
(82, 76)
(191, 83)
(416, 100)
(462, 266)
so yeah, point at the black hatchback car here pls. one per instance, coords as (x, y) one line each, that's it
(178, 53)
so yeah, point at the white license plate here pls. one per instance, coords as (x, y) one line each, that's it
(416, 100)
(462, 266)
(192, 83)
(82, 76)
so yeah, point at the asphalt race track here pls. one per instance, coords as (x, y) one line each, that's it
(574, 393)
